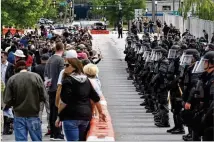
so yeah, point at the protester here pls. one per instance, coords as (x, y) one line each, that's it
(159, 25)
(28, 90)
(75, 107)
(6, 68)
(19, 55)
(11, 56)
(40, 69)
(69, 54)
(206, 36)
(52, 70)
(151, 24)
(80, 52)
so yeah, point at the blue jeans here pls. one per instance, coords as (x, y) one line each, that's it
(23, 125)
(151, 30)
(75, 130)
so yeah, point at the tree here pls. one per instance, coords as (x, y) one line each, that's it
(112, 12)
(23, 13)
(204, 9)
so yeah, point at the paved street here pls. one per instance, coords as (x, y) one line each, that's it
(130, 121)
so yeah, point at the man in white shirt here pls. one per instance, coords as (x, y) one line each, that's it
(69, 54)
(6, 67)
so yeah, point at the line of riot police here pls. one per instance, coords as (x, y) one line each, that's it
(176, 72)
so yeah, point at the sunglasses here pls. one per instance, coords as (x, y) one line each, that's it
(66, 65)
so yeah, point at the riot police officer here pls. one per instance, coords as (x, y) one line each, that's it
(203, 99)
(174, 88)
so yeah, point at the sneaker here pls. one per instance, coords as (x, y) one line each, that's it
(59, 138)
(51, 137)
(48, 133)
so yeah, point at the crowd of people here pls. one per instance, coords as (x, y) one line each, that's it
(57, 72)
(176, 71)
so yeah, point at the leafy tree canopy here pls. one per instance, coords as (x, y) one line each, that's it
(23, 13)
(112, 8)
(204, 9)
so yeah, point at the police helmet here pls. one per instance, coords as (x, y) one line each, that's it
(183, 46)
(177, 38)
(176, 47)
(193, 52)
(209, 56)
(211, 46)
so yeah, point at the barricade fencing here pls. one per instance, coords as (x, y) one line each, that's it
(193, 24)
(99, 32)
(12, 30)
(101, 131)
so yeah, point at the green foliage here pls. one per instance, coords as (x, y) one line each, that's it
(51, 13)
(204, 9)
(26, 13)
(22, 13)
(112, 11)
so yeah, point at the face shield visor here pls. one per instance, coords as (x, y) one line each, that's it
(153, 56)
(142, 49)
(201, 66)
(135, 48)
(172, 54)
(186, 60)
(145, 55)
(133, 45)
(182, 56)
(138, 49)
(148, 59)
(158, 56)
(195, 67)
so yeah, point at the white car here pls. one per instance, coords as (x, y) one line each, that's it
(45, 21)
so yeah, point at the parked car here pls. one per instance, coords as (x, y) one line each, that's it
(45, 21)
(99, 26)
(60, 26)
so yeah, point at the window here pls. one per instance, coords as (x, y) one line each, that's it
(166, 7)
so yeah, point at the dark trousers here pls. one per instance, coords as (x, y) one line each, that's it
(176, 109)
(120, 34)
(53, 114)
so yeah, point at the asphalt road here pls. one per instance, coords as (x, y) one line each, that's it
(130, 121)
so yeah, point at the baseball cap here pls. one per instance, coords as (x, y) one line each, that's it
(71, 54)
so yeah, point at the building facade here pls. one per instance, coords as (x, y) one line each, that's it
(164, 5)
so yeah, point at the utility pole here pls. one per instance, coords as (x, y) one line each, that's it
(173, 5)
(73, 11)
(153, 10)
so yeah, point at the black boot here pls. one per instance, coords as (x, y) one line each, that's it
(170, 130)
(140, 93)
(143, 104)
(178, 131)
(149, 111)
(162, 124)
(129, 78)
(164, 120)
(187, 137)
